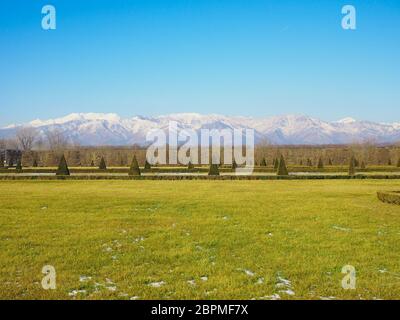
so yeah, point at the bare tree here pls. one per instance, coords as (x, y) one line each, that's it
(26, 137)
(56, 140)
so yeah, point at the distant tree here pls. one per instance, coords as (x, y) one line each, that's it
(147, 165)
(35, 163)
(1, 162)
(134, 169)
(18, 168)
(62, 169)
(352, 169)
(356, 163)
(320, 164)
(301, 162)
(389, 162)
(363, 166)
(190, 166)
(330, 162)
(26, 137)
(56, 140)
(102, 165)
(263, 162)
(398, 163)
(309, 162)
(282, 170)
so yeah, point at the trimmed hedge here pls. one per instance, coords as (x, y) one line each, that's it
(392, 197)
(198, 177)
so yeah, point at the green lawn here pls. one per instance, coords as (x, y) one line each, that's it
(198, 239)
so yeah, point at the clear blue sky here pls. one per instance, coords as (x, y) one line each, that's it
(234, 57)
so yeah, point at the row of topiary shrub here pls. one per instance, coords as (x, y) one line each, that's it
(321, 165)
(134, 170)
(392, 197)
(63, 169)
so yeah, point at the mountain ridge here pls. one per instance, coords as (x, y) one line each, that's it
(94, 129)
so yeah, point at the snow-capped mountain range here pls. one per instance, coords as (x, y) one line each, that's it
(95, 129)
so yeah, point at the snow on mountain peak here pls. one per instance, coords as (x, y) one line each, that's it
(109, 128)
(347, 120)
(110, 117)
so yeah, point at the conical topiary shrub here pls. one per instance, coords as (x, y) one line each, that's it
(398, 163)
(213, 171)
(363, 166)
(352, 167)
(35, 163)
(330, 162)
(134, 169)
(234, 165)
(309, 162)
(147, 165)
(276, 164)
(92, 163)
(301, 162)
(320, 164)
(389, 162)
(282, 170)
(18, 168)
(190, 166)
(62, 169)
(263, 162)
(102, 165)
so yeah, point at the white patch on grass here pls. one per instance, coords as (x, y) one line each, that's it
(84, 278)
(204, 278)
(134, 298)
(285, 285)
(260, 281)
(111, 288)
(275, 296)
(74, 293)
(341, 228)
(139, 239)
(283, 282)
(288, 292)
(327, 298)
(157, 284)
(247, 272)
(192, 282)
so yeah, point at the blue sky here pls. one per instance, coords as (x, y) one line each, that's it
(234, 57)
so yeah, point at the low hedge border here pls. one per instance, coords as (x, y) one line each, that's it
(392, 197)
(201, 177)
(203, 169)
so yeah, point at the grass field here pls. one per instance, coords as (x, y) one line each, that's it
(198, 239)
